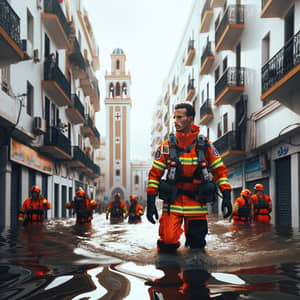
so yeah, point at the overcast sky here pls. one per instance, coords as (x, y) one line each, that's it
(149, 32)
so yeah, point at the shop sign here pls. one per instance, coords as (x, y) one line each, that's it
(253, 169)
(235, 176)
(28, 157)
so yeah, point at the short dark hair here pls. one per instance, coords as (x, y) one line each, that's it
(190, 111)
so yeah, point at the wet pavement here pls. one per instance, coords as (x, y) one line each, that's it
(62, 261)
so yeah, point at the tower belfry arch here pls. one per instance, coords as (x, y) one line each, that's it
(117, 108)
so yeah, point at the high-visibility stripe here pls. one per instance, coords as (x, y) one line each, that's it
(223, 180)
(186, 210)
(159, 165)
(153, 183)
(216, 164)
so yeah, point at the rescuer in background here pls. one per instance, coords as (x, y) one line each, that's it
(117, 210)
(135, 210)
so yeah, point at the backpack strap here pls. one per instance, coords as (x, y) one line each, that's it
(201, 148)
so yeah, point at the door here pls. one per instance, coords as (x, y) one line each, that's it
(56, 200)
(283, 191)
(63, 200)
(16, 201)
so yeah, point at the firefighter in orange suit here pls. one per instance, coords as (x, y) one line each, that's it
(187, 157)
(33, 208)
(262, 205)
(83, 207)
(135, 210)
(242, 208)
(117, 210)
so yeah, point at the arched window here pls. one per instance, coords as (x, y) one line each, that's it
(124, 89)
(118, 89)
(118, 65)
(111, 90)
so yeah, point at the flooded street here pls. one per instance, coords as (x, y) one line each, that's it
(62, 261)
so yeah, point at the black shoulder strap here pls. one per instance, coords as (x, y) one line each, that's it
(201, 148)
(172, 145)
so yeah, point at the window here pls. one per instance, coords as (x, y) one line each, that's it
(225, 64)
(111, 90)
(265, 49)
(29, 104)
(217, 74)
(219, 129)
(225, 122)
(29, 27)
(207, 132)
(118, 172)
(124, 89)
(238, 55)
(207, 90)
(136, 179)
(118, 65)
(202, 96)
(118, 89)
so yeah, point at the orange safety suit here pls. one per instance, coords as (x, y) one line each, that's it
(241, 212)
(262, 207)
(185, 207)
(117, 210)
(83, 209)
(32, 211)
(135, 211)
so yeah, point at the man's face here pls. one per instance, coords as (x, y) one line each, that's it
(34, 195)
(181, 120)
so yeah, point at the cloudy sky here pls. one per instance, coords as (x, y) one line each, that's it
(149, 32)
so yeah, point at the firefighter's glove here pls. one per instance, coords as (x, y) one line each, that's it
(226, 204)
(151, 208)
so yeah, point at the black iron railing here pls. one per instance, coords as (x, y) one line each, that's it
(206, 52)
(96, 132)
(79, 155)
(229, 141)
(54, 137)
(53, 73)
(76, 56)
(77, 104)
(96, 88)
(96, 169)
(206, 108)
(281, 63)
(88, 121)
(233, 76)
(190, 85)
(205, 8)
(53, 7)
(234, 14)
(10, 21)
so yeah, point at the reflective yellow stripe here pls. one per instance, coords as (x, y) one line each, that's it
(216, 164)
(158, 165)
(186, 210)
(188, 160)
(153, 183)
(223, 180)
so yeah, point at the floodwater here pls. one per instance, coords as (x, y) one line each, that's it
(62, 261)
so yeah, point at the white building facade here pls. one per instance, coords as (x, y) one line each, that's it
(49, 99)
(238, 64)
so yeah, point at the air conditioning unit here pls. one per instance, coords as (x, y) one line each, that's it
(39, 125)
(36, 55)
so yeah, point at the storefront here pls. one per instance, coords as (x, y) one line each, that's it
(235, 176)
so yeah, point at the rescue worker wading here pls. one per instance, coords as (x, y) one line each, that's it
(262, 205)
(117, 210)
(83, 207)
(33, 208)
(187, 157)
(242, 208)
(135, 210)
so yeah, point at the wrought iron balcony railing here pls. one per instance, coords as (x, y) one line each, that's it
(207, 52)
(234, 14)
(53, 73)
(53, 7)
(76, 56)
(10, 21)
(281, 63)
(233, 76)
(96, 132)
(89, 122)
(206, 109)
(190, 85)
(54, 137)
(77, 104)
(229, 141)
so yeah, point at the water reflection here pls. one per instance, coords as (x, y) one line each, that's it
(63, 261)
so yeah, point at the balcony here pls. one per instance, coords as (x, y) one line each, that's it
(56, 84)
(167, 99)
(95, 138)
(230, 86)
(206, 16)
(56, 23)
(274, 8)
(10, 43)
(174, 86)
(95, 96)
(190, 90)
(230, 28)
(167, 118)
(281, 75)
(230, 147)
(87, 128)
(77, 61)
(75, 112)
(207, 59)
(56, 144)
(190, 53)
(217, 3)
(206, 112)
(86, 83)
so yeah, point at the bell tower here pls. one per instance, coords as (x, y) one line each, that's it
(117, 108)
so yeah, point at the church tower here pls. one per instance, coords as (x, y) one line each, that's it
(117, 108)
